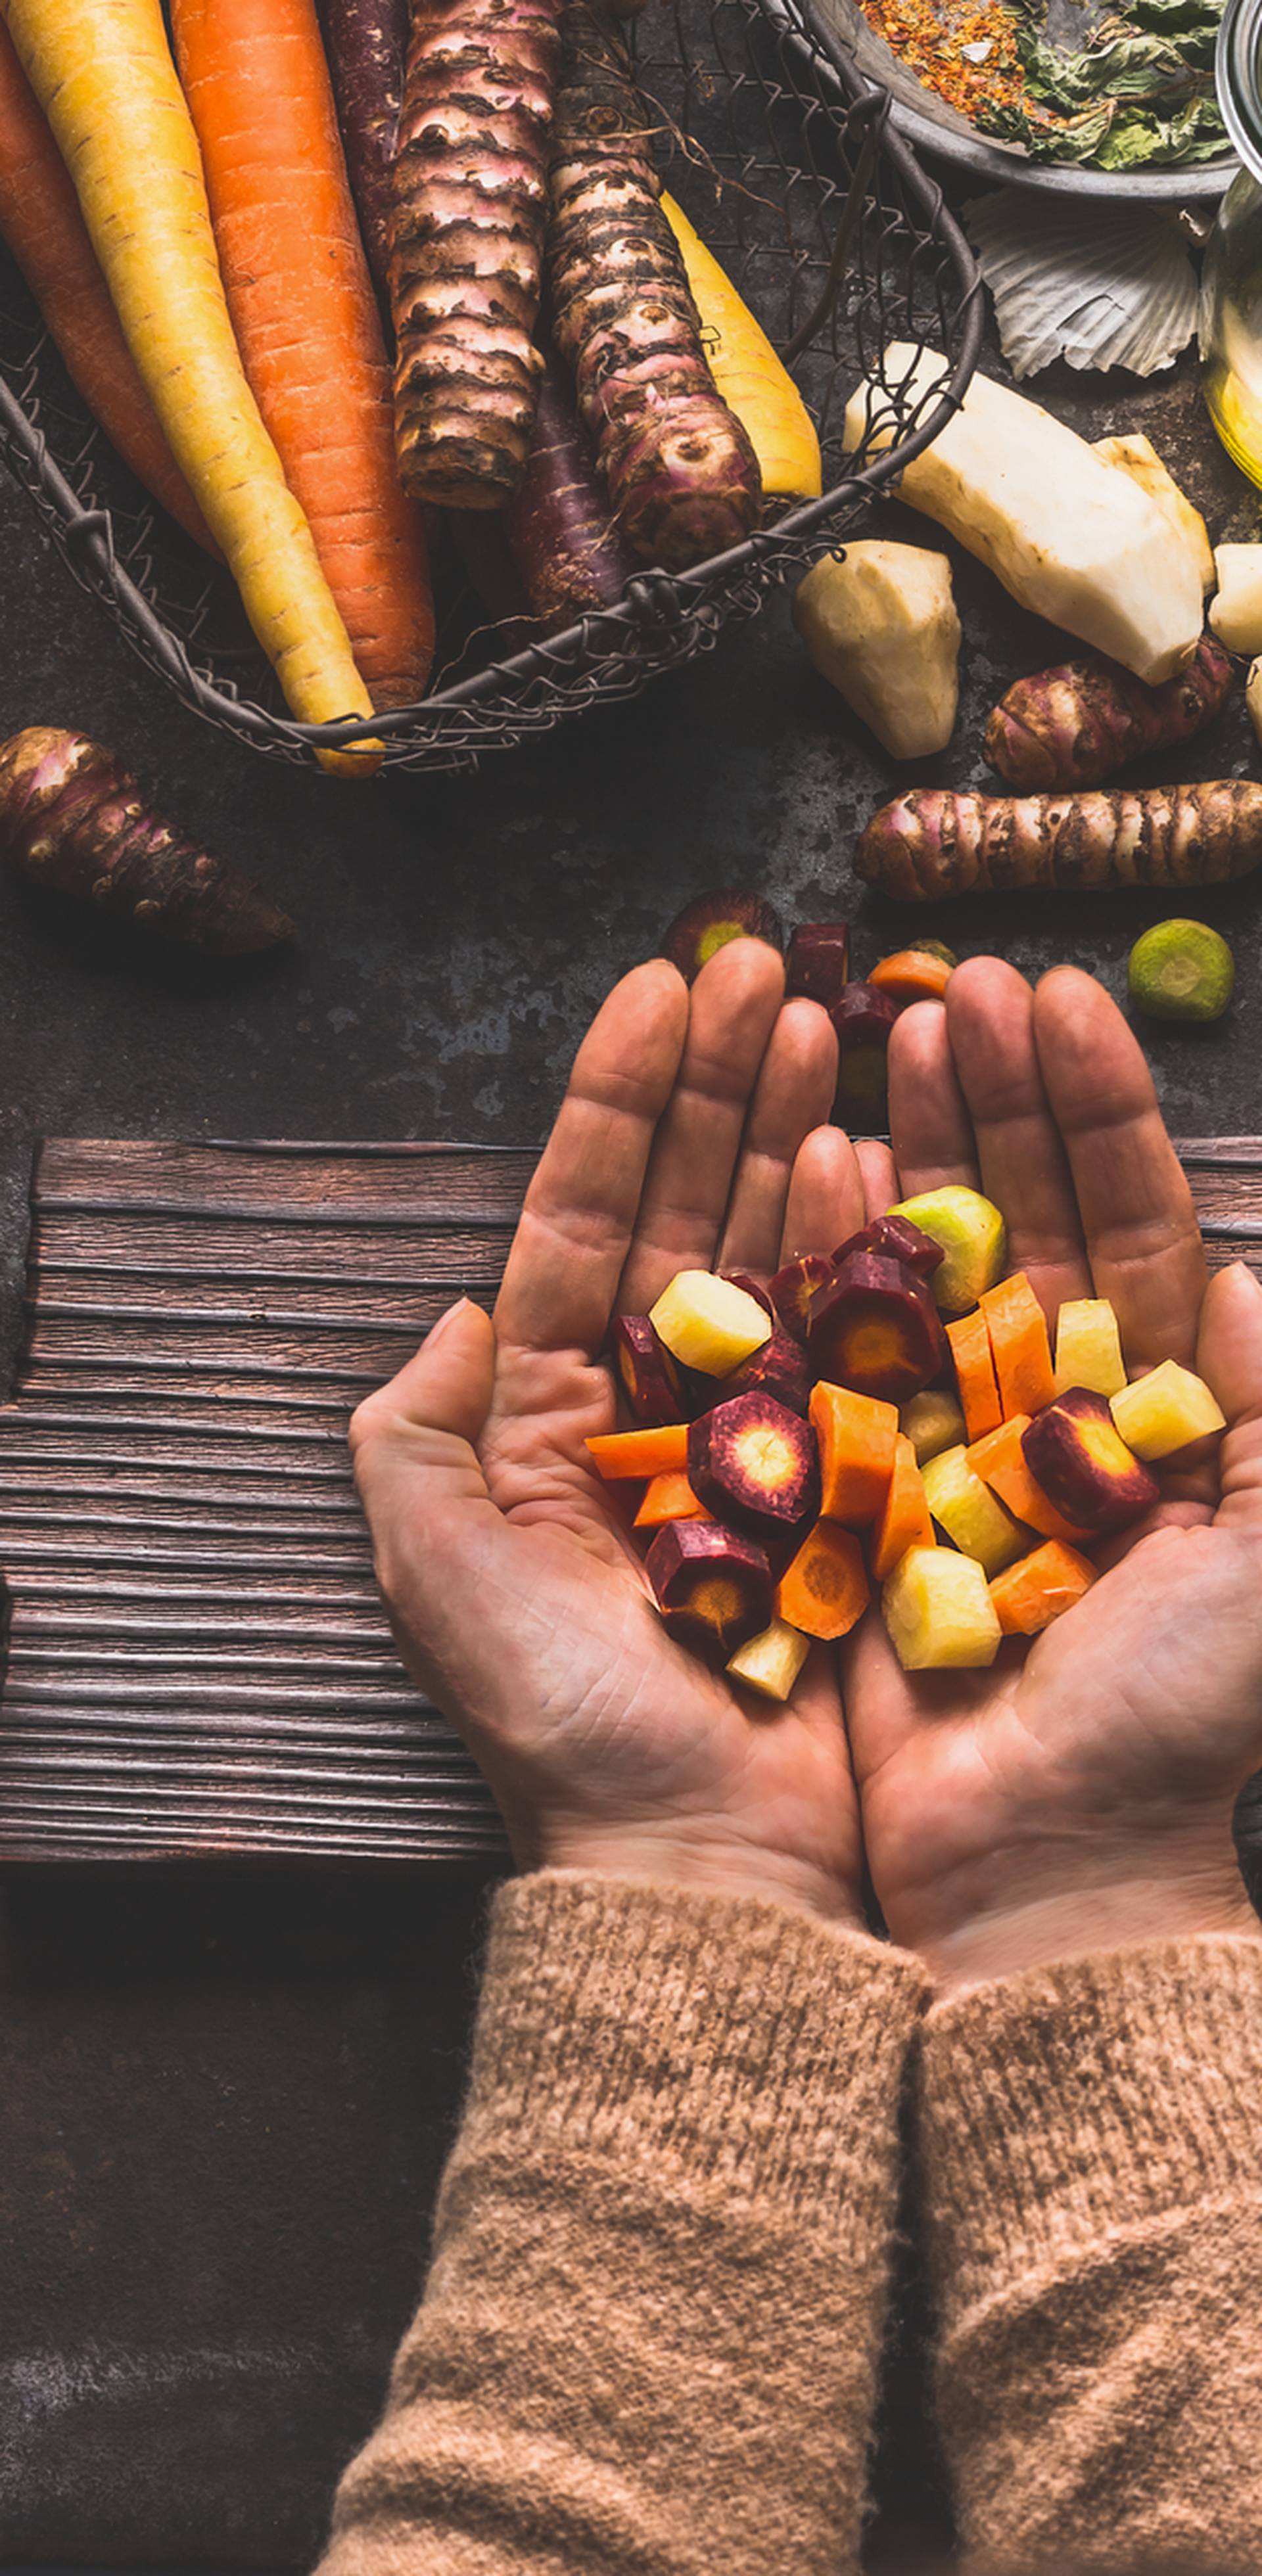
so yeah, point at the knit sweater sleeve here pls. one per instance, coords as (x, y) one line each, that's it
(1091, 2142)
(649, 2340)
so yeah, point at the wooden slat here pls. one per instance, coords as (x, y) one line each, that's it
(198, 1664)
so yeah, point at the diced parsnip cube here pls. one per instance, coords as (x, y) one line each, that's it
(880, 624)
(974, 1519)
(772, 1660)
(1089, 1347)
(1068, 535)
(1235, 612)
(939, 1612)
(932, 1422)
(1137, 457)
(1163, 1411)
(708, 1324)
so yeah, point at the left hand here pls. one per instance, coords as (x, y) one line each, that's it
(516, 1598)
(1079, 1795)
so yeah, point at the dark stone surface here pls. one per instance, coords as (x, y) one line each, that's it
(225, 2101)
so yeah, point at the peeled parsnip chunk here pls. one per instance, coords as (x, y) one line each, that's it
(1137, 457)
(939, 1612)
(1235, 612)
(708, 1323)
(1162, 1412)
(880, 623)
(1074, 539)
(770, 1662)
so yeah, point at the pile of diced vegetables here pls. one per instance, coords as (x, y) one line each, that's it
(892, 1415)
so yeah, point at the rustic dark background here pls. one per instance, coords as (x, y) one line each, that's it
(224, 2098)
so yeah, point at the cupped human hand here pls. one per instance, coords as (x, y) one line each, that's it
(518, 1603)
(1079, 1794)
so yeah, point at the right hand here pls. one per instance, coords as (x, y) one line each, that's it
(517, 1601)
(1078, 1795)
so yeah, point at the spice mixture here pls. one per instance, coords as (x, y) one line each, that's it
(968, 54)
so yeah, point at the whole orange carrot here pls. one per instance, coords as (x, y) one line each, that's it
(306, 319)
(41, 222)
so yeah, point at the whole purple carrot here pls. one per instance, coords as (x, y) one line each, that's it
(366, 41)
(568, 552)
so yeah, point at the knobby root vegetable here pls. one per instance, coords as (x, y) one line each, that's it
(71, 818)
(1075, 724)
(470, 204)
(749, 375)
(879, 621)
(931, 843)
(569, 554)
(103, 73)
(366, 40)
(682, 475)
(41, 222)
(1071, 537)
(305, 315)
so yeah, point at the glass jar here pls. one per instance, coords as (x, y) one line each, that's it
(1231, 283)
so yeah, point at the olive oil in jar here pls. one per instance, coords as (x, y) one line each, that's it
(1231, 284)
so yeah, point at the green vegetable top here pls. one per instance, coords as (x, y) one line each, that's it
(1139, 92)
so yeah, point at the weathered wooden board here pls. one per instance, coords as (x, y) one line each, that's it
(197, 1664)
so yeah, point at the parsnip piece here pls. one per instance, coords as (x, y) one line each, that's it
(1137, 457)
(1068, 535)
(771, 1661)
(1162, 1412)
(1235, 612)
(880, 623)
(1088, 1347)
(932, 1422)
(707, 1323)
(939, 1612)
(974, 1519)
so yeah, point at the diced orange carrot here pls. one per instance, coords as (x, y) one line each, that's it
(856, 1435)
(1030, 1594)
(825, 1590)
(906, 1520)
(670, 1498)
(655, 1452)
(912, 975)
(975, 1374)
(1000, 1461)
(1019, 1346)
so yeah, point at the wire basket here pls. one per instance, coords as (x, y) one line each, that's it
(781, 152)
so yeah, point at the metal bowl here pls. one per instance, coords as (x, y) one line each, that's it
(941, 132)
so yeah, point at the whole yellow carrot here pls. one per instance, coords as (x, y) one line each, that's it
(103, 72)
(748, 373)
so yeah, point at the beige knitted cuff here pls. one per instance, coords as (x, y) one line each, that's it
(1072, 2103)
(717, 2041)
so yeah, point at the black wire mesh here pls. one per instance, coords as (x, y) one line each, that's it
(762, 122)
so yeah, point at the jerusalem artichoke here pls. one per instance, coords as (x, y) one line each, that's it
(1072, 538)
(931, 843)
(470, 201)
(72, 819)
(879, 620)
(1135, 455)
(1235, 611)
(682, 475)
(1075, 724)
